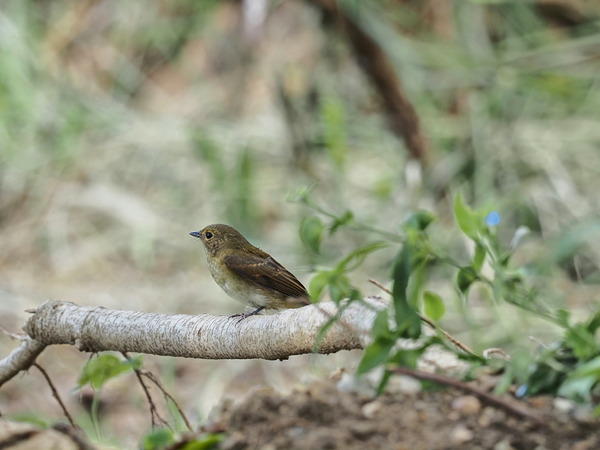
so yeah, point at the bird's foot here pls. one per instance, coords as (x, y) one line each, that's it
(242, 316)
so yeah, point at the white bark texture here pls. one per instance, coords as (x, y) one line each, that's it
(276, 336)
(21, 358)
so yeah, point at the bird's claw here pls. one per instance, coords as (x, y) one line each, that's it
(242, 316)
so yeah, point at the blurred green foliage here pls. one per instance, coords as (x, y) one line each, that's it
(164, 438)
(568, 367)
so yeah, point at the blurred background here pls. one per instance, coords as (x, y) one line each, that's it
(125, 125)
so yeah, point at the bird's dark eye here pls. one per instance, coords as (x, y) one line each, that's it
(208, 235)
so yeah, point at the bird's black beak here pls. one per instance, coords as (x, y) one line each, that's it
(196, 234)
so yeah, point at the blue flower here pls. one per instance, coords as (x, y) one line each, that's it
(521, 391)
(492, 219)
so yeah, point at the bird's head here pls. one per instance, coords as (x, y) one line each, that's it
(218, 237)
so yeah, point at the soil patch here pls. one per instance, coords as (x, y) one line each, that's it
(323, 417)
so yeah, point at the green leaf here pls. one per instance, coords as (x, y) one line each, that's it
(580, 382)
(341, 221)
(31, 418)
(592, 367)
(479, 256)
(380, 328)
(594, 323)
(339, 286)
(330, 322)
(418, 221)
(157, 438)
(562, 317)
(406, 317)
(374, 355)
(467, 219)
(317, 283)
(407, 358)
(544, 378)
(581, 341)
(357, 256)
(385, 377)
(311, 232)
(465, 277)
(207, 442)
(98, 371)
(433, 306)
(401, 274)
(415, 284)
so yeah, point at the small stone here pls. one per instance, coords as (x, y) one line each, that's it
(563, 405)
(583, 414)
(336, 375)
(504, 445)
(466, 405)
(404, 385)
(419, 405)
(350, 383)
(460, 435)
(296, 432)
(453, 416)
(370, 409)
(486, 416)
(362, 430)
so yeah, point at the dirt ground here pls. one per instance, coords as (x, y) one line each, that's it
(323, 417)
(333, 414)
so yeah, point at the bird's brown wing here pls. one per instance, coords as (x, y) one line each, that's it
(267, 273)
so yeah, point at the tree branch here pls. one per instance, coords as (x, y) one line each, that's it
(55, 394)
(277, 336)
(377, 66)
(21, 358)
(491, 399)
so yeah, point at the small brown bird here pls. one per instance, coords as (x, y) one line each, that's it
(247, 274)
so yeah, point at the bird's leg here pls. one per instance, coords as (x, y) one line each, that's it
(242, 316)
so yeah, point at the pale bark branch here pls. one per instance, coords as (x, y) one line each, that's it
(276, 336)
(21, 358)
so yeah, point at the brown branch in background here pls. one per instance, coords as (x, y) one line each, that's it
(168, 396)
(155, 417)
(76, 436)
(402, 117)
(295, 126)
(454, 341)
(563, 13)
(486, 397)
(55, 394)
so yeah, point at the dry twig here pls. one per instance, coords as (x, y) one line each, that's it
(152, 377)
(155, 416)
(55, 394)
(486, 397)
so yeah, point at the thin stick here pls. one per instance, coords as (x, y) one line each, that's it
(486, 397)
(159, 385)
(155, 417)
(55, 394)
(15, 336)
(447, 335)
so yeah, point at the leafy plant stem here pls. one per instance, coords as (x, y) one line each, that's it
(94, 413)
